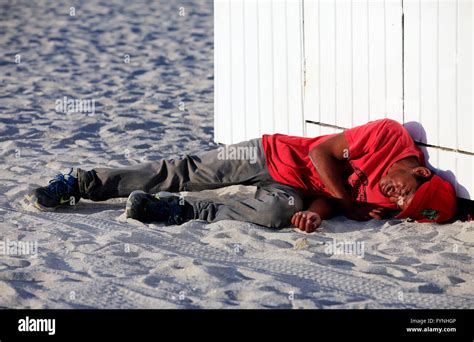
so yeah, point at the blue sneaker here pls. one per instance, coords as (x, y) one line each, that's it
(63, 190)
(148, 208)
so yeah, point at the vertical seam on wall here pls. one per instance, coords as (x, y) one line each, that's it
(385, 57)
(335, 63)
(215, 72)
(303, 66)
(273, 67)
(258, 74)
(420, 66)
(287, 65)
(352, 68)
(230, 78)
(244, 55)
(319, 61)
(244, 31)
(437, 74)
(456, 77)
(403, 63)
(456, 114)
(368, 62)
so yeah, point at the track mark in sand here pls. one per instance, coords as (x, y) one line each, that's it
(317, 277)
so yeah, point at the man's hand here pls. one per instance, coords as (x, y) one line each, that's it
(306, 221)
(365, 212)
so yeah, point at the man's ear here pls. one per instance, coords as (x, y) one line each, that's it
(422, 171)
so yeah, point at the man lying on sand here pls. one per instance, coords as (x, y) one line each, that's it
(370, 171)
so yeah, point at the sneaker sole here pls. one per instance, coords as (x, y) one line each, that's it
(33, 200)
(131, 201)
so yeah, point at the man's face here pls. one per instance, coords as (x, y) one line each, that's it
(400, 186)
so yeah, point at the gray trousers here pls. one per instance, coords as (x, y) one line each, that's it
(244, 163)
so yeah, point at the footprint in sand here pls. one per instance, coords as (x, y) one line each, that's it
(229, 274)
(12, 264)
(430, 288)
(280, 243)
(463, 258)
(407, 261)
(221, 236)
(456, 280)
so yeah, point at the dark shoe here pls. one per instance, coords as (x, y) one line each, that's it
(148, 208)
(62, 190)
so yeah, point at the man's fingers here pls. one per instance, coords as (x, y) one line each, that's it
(374, 215)
(310, 227)
(378, 213)
(306, 221)
(298, 220)
(317, 222)
(313, 223)
(302, 224)
(379, 210)
(305, 224)
(294, 217)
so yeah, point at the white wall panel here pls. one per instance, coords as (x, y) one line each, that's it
(222, 69)
(360, 58)
(311, 103)
(465, 75)
(265, 67)
(447, 115)
(280, 72)
(455, 167)
(294, 37)
(393, 68)
(251, 53)
(438, 70)
(258, 68)
(237, 70)
(343, 59)
(377, 66)
(353, 55)
(438, 63)
(326, 88)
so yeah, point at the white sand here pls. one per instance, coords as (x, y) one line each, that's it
(88, 257)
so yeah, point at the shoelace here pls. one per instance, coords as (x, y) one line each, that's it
(56, 184)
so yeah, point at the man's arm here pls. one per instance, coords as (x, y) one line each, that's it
(328, 158)
(322, 208)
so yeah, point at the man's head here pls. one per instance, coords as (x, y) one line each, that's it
(400, 184)
(419, 193)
